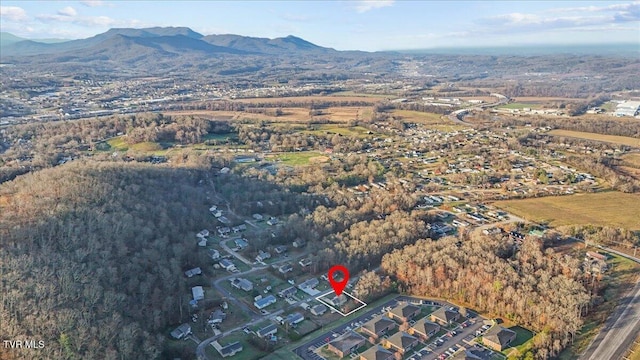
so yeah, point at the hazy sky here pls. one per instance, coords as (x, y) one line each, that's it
(344, 25)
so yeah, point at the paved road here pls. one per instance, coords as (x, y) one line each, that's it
(254, 315)
(457, 115)
(621, 328)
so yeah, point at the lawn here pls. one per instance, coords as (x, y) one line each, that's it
(622, 140)
(299, 158)
(606, 209)
(118, 143)
(521, 343)
(249, 352)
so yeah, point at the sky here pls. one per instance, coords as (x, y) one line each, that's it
(344, 24)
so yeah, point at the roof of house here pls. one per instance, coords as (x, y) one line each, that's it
(348, 341)
(319, 309)
(377, 353)
(401, 340)
(425, 326)
(265, 301)
(231, 349)
(499, 335)
(181, 331)
(445, 314)
(465, 355)
(225, 263)
(243, 284)
(294, 318)
(405, 310)
(267, 330)
(377, 324)
(310, 283)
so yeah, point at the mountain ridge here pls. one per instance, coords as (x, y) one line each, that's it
(161, 38)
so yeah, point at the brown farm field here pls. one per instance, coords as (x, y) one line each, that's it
(622, 140)
(421, 117)
(347, 97)
(289, 114)
(605, 208)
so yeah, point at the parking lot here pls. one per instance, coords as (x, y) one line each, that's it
(459, 335)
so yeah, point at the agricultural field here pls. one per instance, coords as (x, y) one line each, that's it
(421, 117)
(605, 209)
(621, 140)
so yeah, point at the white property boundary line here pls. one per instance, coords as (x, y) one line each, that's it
(338, 311)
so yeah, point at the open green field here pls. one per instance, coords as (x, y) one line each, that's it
(622, 140)
(327, 129)
(299, 158)
(606, 209)
(522, 342)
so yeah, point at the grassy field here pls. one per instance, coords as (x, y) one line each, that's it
(632, 160)
(355, 131)
(606, 209)
(622, 140)
(300, 158)
(522, 342)
(421, 117)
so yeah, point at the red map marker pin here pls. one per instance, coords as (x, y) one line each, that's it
(338, 286)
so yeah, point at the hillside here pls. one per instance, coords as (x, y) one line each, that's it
(98, 275)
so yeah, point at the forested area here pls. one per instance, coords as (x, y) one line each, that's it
(533, 286)
(92, 254)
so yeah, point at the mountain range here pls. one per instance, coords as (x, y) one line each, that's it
(130, 44)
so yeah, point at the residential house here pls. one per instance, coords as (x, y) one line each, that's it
(262, 256)
(230, 349)
(264, 302)
(193, 272)
(404, 312)
(197, 292)
(288, 292)
(473, 354)
(280, 249)
(285, 268)
(498, 338)
(268, 330)
(378, 326)
(400, 342)
(242, 284)
(202, 234)
(318, 310)
(298, 243)
(444, 316)
(305, 262)
(257, 217)
(294, 319)
(214, 254)
(272, 221)
(227, 265)
(338, 301)
(217, 317)
(377, 352)
(346, 344)
(241, 243)
(181, 331)
(424, 329)
(309, 284)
